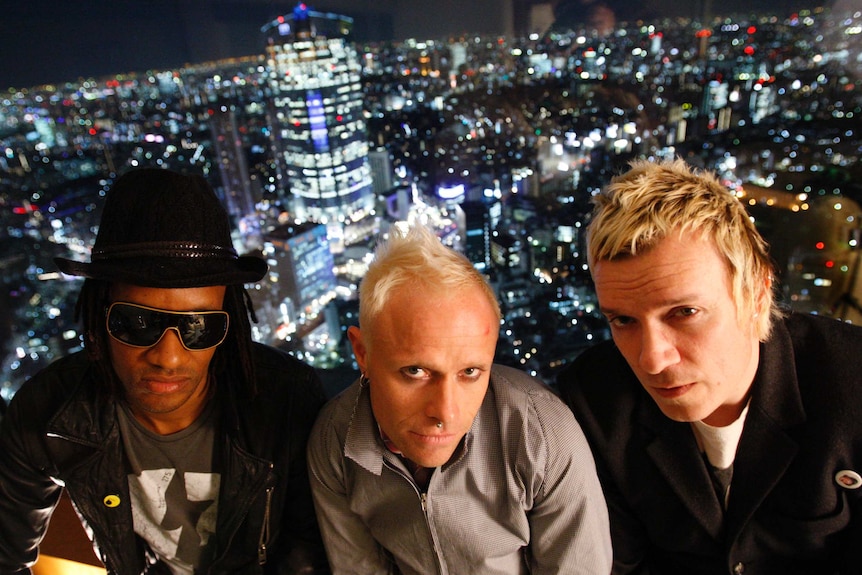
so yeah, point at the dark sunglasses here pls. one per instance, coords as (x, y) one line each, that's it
(142, 326)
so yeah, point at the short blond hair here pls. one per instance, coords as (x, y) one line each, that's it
(416, 257)
(656, 198)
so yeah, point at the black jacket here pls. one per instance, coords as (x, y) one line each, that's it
(61, 430)
(787, 512)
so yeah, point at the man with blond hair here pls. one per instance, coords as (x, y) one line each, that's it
(436, 460)
(728, 435)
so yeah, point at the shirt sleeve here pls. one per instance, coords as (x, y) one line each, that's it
(350, 547)
(569, 526)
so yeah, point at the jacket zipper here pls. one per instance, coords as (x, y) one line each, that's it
(264, 531)
(423, 502)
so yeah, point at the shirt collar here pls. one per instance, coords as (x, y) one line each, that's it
(366, 443)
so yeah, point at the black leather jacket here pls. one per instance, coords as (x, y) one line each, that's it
(61, 430)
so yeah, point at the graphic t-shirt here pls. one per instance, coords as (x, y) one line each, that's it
(174, 489)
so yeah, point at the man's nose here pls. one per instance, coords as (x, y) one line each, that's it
(168, 352)
(658, 350)
(443, 401)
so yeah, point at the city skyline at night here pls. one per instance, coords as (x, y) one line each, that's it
(50, 41)
(498, 143)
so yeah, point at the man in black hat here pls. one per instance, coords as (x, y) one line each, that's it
(180, 442)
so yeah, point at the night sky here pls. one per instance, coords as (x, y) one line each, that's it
(45, 41)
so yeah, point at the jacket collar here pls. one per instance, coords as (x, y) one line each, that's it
(87, 416)
(364, 445)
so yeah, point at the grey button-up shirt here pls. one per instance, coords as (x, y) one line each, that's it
(520, 495)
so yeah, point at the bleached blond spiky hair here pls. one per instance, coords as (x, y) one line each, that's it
(654, 199)
(416, 258)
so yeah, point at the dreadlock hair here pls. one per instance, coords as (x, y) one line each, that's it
(233, 357)
(93, 301)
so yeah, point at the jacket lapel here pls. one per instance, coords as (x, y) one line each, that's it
(766, 448)
(675, 453)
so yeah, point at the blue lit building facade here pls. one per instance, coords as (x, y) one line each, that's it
(301, 263)
(314, 75)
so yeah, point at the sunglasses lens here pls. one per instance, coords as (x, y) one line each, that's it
(136, 326)
(202, 330)
(143, 327)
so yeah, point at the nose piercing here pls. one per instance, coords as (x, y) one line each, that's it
(439, 425)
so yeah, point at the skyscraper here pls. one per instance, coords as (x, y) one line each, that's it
(314, 75)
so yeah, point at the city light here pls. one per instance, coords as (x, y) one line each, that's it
(319, 145)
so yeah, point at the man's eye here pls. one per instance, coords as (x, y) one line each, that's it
(687, 311)
(413, 371)
(619, 321)
(472, 372)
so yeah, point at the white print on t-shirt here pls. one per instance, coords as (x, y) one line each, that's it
(149, 507)
(204, 487)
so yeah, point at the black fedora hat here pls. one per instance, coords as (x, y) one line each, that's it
(167, 230)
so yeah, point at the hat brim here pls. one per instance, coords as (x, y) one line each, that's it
(168, 272)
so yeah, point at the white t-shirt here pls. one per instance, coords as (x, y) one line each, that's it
(719, 444)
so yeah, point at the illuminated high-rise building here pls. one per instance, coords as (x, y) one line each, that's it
(301, 282)
(318, 102)
(232, 163)
(477, 234)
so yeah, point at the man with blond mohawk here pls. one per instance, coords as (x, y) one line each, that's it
(438, 461)
(727, 434)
